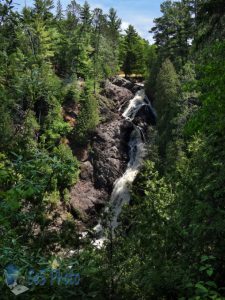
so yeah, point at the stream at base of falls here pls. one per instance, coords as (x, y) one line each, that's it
(137, 151)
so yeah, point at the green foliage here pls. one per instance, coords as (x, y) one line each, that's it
(175, 226)
(71, 92)
(171, 241)
(174, 30)
(67, 170)
(167, 93)
(35, 175)
(6, 126)
(54, 127)
(59, 11)
(152, 63)
(133, 53)
(89, 115)
(211, 67)
(89, 43)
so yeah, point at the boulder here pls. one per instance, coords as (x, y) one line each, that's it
(122, 82)
(118, 94)
(86, 200)
(86, 171)
(132, 86)
(137, 87)
(146, 115)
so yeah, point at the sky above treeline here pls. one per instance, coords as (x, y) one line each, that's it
(139, 13)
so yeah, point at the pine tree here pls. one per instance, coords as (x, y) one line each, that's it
(114, 23)
(86, 15)
(43, 8)
(73, 15)
(98, 22)
(173, 32)
(167, 93)
(134, 52)
(89, 115)
(59, 11)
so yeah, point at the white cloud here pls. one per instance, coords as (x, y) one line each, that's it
(141, 23)
(124, 26)
(144, 20)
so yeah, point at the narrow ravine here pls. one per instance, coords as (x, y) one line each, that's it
(137, 151)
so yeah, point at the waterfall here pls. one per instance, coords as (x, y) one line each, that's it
(120, 194)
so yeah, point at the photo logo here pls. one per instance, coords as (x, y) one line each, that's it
(42, 277)
(53, 277)
(12, 273)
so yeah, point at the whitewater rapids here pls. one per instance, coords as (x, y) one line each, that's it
(137, 151)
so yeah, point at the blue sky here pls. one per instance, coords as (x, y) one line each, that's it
(139, 13)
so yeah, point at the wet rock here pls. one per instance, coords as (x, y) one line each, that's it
(145, 114)
(132, 86)
(105, 159)
(137, 87)
(122, 82)
(86, 200)
(118, 94)
(110, 152)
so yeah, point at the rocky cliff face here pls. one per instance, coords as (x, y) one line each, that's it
(108, 155)
(110, 152)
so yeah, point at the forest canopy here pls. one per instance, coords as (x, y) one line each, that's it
(54, 61)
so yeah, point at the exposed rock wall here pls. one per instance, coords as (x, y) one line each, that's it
(108, 155)
(110, 152)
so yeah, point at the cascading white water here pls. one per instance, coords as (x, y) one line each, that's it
(134, 105)
(120, 194)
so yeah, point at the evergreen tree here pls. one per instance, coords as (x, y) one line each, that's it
(86, 15)
(43, 8)
(170, 243)
(114, 24)
(134, 52)
(98, 23)
(88, 116)
(167, 87)
(59, 11)
(113, 32)
(173, 32)
(73, 14)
